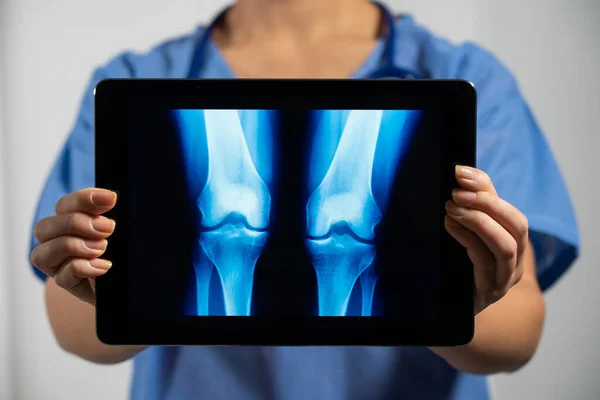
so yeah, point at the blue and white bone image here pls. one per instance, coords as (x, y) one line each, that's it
(234, 201)
(342, 211)
(229, 161)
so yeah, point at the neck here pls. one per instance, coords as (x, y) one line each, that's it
(304, 20)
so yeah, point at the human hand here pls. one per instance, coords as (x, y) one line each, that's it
(71, 241)
(493, 231)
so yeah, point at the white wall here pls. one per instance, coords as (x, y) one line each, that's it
(6, 381)
(556, 58)
(51, 48)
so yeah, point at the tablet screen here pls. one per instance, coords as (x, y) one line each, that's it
(284, 212)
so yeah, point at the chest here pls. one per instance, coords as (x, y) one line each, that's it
(334, 58)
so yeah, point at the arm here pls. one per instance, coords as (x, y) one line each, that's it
(68, 253)
(56, 251)
(523, 223)
(74, 325)
(507, 333)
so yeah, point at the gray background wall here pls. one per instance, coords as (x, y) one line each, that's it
(48, 50)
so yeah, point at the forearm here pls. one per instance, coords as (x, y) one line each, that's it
(507, 333)
(74, 325)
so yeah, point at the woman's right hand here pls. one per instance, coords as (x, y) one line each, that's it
(71, 241)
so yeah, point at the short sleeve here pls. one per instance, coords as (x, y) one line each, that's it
(74, 167)
(514, 152)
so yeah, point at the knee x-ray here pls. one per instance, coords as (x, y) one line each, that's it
(230, 163)
(285, 212)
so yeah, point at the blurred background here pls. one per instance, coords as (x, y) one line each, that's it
(48, 50)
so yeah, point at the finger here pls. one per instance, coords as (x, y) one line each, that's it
(474, 179)
(498, 240)
(508, 216)
(50, 255)
(89, 201)
(74, 224)
(483, 261)
(85, 292)
(74, 270)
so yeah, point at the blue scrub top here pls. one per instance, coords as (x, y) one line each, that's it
(511, 149)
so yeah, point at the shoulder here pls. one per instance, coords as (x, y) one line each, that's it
(434, 56)
(167, 59)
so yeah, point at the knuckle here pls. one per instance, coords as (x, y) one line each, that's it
(519, 273)
(493, 200)
(71, 224)
(79, 267)
(61, 278)
(79, 223)
(512, 278)
(483, 176)
(59, 205)
(35, 257)
(42, 227)
(72, 245)
(524, 225)
(83, 198)
(37, 230)
(479, 220)
(495, 295)
(61, 281)
(509, 249)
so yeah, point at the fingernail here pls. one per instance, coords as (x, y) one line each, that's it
(95, 244)
(451, 222)
(100, 264)
(464, 197)
(103, 225)
(456, 210)
(103, 198)
(466, 173)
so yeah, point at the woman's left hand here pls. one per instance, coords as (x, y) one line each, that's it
(494, 233)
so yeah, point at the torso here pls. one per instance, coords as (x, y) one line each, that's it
(246, 373)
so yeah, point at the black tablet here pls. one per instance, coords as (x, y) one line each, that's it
(284, 212)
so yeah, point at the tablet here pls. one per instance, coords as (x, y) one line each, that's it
(284, 212)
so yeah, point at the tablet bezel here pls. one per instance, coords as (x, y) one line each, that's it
(112, 96)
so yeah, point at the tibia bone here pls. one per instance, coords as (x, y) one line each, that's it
(344, 199)
(338, 261)
(368, 280)
(234, 250)
(233, 186)
(235, 206)
(203, 268)
(344, 195)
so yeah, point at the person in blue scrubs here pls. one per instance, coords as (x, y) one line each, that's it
(513, 215)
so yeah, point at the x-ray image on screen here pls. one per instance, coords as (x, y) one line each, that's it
(228, 157)
(351, 169)
(283, 212)
(231, 161)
